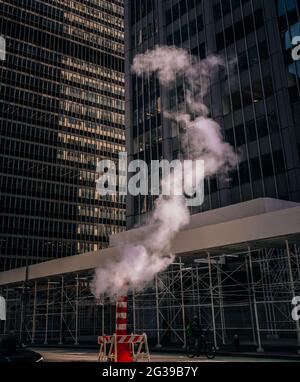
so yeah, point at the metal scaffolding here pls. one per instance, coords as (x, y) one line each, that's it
(246, 292)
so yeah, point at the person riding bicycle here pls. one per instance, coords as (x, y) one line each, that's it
(195, 332)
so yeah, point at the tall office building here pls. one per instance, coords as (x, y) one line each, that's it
(61, 111)
(256, 104)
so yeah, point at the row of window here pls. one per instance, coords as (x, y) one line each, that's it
(74, 142)
(48, 137)
(240, 29)
(94, 8)
(93, 112)
(266, 166)
(95, 27)
(285, 6)
(66, 103)
(47, 41)
(252, 130)
(23, 149)
(250, 58)
(92, 129)
(82, 125)
(179, 9)
(186, 32)
(101, 86)
(108, 13)
(289, 27)
(57, 210)
(49, 63)
(112, 6)
(248, 96)
(106, 43)
(63, 184)
(224, 7)
(144, 34)
(100, 71)
(100, 100)
(86, 30)
(96, 230)
(46, 228)
(56, 90)
(140, 9)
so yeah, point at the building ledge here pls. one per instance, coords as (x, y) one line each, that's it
(259, 223)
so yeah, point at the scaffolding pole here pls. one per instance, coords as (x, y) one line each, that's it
(34, 313)
(250, 300)
(47, 314)
(5, 322)
(260, 348)
(182, 305)
(76, 311)
(293, 291)
(158, 345)
(61, 318)
(133, 311)
(221, 305)
(103, 316)
(212, 301)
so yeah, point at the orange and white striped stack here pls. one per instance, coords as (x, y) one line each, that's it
(121, 316)
(124, 353)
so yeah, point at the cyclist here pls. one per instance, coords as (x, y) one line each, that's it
(195, 332)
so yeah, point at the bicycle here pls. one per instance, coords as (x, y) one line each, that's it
(196, 347)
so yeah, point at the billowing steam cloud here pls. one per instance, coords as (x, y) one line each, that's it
(201, 139)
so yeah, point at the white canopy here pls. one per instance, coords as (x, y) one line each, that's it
(257, 223)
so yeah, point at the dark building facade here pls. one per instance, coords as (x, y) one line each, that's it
(257, 105)
(61, 111)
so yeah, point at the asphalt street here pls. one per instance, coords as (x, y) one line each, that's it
(80, 355)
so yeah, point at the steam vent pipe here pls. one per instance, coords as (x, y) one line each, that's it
(124, 353)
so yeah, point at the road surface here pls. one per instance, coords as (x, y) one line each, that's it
(85, 355)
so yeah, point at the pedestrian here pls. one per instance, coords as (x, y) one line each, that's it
(236, 343)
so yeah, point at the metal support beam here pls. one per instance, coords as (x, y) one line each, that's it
(133, 311)
(61, 320)
(5, 322)
(249, 288)
(198, 293)
(260, 348)
(158, 345)
(76, 310)
(47, 314)
(34, 313)
(221, 304)
(297, 260)
(293, 291)
(212, 301)
(103, 316)
(182, 306)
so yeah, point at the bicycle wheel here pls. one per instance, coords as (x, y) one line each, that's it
(191, 350)
(210, 351)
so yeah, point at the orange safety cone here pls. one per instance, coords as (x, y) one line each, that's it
(124, 352)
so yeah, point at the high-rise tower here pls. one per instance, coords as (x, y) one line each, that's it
(257, 104)
(61, 111)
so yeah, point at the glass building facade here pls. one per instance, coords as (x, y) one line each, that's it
(62, 109)
(256, 104)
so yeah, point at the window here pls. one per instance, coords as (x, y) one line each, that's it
(183, 7)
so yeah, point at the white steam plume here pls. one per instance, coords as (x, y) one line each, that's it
(202, 139)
